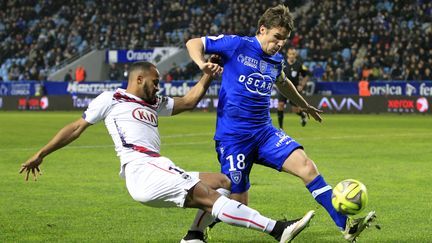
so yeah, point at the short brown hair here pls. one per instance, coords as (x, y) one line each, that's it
(278, 16)
(142, 66)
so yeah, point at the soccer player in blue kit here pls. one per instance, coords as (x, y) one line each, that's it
(244, 131)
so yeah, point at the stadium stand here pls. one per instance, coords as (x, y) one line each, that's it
(382, 39)
(376, 40)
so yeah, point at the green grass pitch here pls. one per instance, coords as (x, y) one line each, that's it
(81, 198)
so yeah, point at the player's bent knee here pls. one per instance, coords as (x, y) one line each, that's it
(216, 180)
(300, 165)
(310, 170)
(210, 197)
(202, 196)
(225, 182)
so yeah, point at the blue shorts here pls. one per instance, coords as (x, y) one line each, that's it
(269, 147)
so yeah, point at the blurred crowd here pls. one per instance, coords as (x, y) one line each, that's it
(350, 40)
(367, 39)
(339, 40)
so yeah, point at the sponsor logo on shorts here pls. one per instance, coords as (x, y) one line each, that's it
(283, 139)
(236, 176)
(222, 150)
(186, 176)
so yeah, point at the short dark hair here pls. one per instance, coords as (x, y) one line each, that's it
(278, 16)
(291, 48)
(140, 66)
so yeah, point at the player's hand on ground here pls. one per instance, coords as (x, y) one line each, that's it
(32, 166)
(314, 112)
(210, 68)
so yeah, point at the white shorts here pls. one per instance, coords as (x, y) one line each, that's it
(157, 182)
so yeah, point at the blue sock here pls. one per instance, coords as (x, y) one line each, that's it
(322, 193)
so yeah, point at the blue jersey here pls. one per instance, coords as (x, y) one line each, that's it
(247, 81)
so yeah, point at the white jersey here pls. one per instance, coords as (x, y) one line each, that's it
(131, 122)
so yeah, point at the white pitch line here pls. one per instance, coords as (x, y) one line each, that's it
(368, 136)
(210, 141)
(102, 146)
(112, 146)
(187, 135)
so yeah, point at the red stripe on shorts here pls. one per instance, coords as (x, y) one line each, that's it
(163, 169)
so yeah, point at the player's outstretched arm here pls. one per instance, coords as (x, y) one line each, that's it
(191, 99)
(195, 48)
(63, 137)
(287, 88)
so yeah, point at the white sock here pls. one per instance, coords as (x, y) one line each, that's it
(203, 219)
(238, 214)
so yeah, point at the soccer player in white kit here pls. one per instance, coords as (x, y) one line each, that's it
(131, 118)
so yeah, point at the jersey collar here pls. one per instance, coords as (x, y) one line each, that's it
(122, 95)
(123, 92)
(259, 46)
(261, 52)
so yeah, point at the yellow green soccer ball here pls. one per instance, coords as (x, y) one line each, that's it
(349, 197)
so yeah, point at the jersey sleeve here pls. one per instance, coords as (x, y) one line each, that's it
(98, 108)
(224, 45)
(165, 106)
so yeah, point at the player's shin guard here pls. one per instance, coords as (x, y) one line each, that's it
(280, 115)
(322, 193)
(204, 219)
(238, 214)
